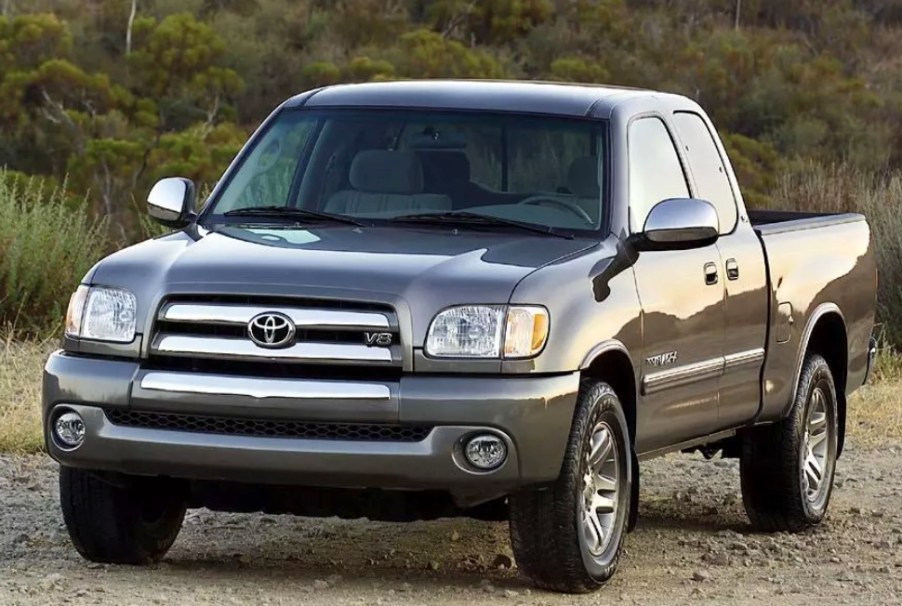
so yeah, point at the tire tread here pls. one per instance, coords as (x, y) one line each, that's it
(542, 540)
(769, 463)
(103, 520)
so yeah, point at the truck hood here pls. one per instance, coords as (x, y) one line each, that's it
(419, 271)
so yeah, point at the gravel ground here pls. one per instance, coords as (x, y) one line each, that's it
(693, 545)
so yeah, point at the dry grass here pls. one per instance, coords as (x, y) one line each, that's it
(875, 412)
(21, 364)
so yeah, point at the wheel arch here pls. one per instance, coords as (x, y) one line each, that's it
(825, 334)
(610, 362)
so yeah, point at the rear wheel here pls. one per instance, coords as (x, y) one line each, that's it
(120, 519)
(787, 468)
(569, 536)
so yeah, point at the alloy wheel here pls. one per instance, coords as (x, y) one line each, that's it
(816, 455)
(601, 483)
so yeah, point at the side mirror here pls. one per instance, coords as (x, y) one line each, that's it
(171, 201)
(680, 223)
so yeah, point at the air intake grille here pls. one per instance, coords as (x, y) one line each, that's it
(271, 428)
(276, 332)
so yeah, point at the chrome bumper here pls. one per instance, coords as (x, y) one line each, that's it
(532, 415)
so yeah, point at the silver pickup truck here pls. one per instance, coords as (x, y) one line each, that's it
(423, 299)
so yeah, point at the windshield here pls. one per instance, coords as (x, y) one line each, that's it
(383, 165)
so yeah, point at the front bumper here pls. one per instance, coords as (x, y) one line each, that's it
(532, 414)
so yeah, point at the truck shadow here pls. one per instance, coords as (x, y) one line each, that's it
(674, 514)
(456, 553)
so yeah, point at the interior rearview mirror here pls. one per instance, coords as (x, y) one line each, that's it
(171, 201)
(680, 223)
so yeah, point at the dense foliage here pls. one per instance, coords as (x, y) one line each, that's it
(113, 94)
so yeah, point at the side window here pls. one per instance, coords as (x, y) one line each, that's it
(707, 167)
(655, 171)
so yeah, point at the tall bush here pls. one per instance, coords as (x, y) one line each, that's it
(843, 188)
(46, 246)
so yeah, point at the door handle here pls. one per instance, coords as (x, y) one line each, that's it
(732, 269)
(710, 273)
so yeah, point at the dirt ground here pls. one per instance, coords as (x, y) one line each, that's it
(693, 546)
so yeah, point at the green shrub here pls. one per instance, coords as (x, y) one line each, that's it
(46, 247)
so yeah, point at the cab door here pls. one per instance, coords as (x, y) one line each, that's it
(681, 293)
(743, 270)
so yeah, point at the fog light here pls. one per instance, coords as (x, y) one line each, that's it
(485, 451)
(69, 428)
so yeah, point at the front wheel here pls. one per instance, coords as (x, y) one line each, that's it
(787, 468)
(568, 537)
(120, 519)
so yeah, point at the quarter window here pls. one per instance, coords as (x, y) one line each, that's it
(708, 168)
(655, 170)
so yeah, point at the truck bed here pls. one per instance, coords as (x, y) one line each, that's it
(817, 263)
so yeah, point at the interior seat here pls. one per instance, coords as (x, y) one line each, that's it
(385, 181)
(448, 173)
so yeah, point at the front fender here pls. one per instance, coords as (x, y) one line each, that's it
(592, 304)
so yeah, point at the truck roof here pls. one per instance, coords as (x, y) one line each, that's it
(577, 100)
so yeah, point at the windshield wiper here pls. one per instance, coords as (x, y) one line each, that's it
(468, 218)
(291, 213)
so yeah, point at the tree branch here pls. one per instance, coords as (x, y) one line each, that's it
(128, 31)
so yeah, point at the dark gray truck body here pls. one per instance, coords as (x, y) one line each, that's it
(693, 362)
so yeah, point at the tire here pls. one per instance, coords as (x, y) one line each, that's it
(633, 519)
(120, 520)
(552, 546)
(780, 463)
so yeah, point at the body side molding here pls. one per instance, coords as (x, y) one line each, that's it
(660, 380)
(654, 382)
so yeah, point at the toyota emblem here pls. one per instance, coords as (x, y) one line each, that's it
(271, 329)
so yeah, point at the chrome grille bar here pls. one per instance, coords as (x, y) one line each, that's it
(261, 388)
(244, 349)
(226, 314)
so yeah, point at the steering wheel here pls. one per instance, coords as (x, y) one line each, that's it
(565, 204)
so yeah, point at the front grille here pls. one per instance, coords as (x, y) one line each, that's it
(324, 333)
(270, 428)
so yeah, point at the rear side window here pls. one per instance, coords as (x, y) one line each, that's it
(707, 167)
(655, 170)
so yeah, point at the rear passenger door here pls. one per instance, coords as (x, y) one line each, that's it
(743, 270)
(682, 297)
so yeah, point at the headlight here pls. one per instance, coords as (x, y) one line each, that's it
(470, 331)
(488, 331)
(102, 314)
